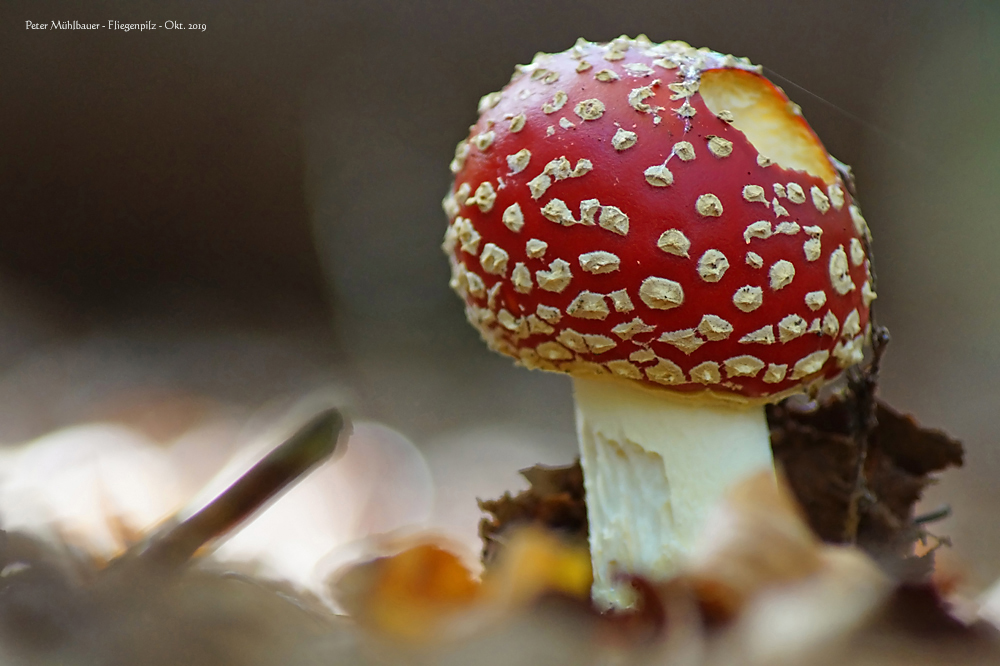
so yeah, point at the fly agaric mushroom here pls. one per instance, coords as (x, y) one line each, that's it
(659, 222)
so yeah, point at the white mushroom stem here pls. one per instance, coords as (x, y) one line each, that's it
(653, 466)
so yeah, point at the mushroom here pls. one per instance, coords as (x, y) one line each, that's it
(660, 223)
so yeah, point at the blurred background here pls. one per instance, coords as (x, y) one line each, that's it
(200, 228)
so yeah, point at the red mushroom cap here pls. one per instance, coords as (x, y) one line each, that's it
(608, 217)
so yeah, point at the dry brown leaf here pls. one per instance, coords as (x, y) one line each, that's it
(821, 454)
(554, 500)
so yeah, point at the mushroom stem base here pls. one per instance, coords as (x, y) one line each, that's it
(653, 467)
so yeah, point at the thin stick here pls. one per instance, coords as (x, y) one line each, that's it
(866, 421)
(316, 441)
(933, 516)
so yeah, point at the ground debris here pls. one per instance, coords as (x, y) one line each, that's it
(856, 466)
(554, 501)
